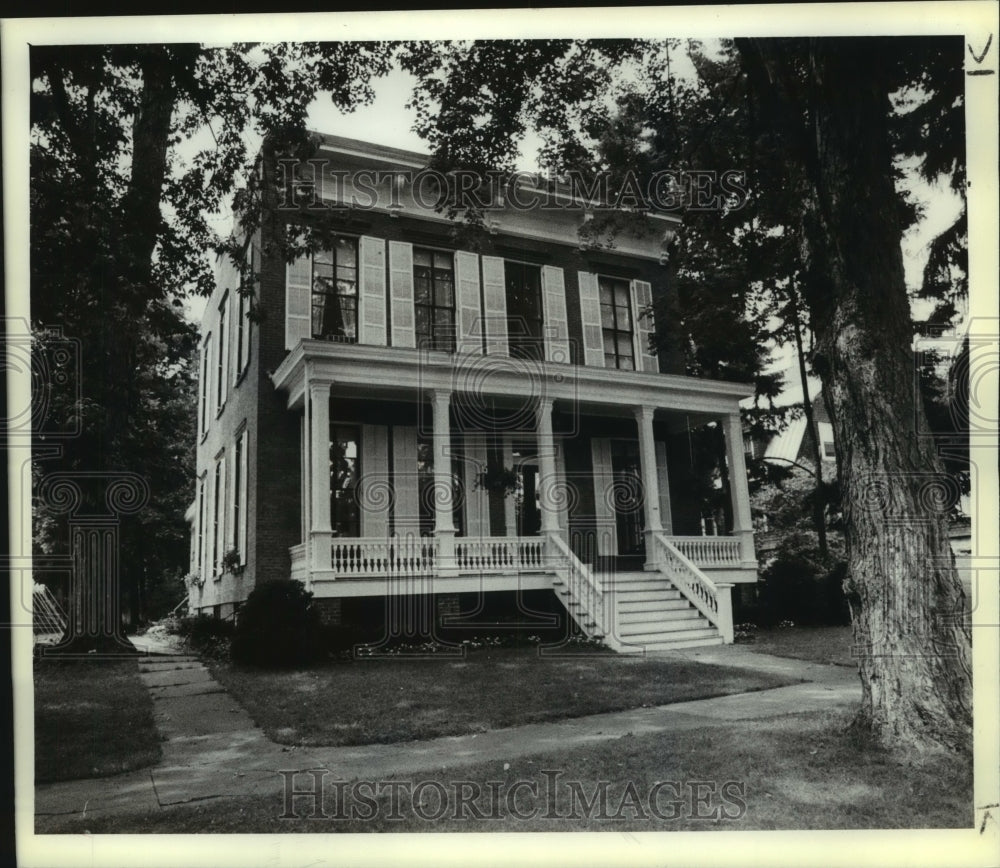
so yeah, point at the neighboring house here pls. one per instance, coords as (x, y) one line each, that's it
(405, 418)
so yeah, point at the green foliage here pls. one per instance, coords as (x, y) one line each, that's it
(278, 625)
(802, 586)
(205, 634)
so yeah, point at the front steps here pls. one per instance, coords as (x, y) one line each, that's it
(652, 615)
(649, 614)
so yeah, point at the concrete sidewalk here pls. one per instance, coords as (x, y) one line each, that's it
(212, 749)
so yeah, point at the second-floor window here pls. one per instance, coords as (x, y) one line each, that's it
(524, 310)
(221, 375)
(335, 292)
(206, 386)
(616, 323)
(434, 299)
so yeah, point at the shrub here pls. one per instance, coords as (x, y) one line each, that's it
(801, 586)
(278, 625)
(205, 634)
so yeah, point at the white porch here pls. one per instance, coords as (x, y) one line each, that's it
(689, 577)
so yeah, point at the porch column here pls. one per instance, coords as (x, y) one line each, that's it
(547, 497)
(738, 488)
(444, 522)
(650, 483)
(321, 532)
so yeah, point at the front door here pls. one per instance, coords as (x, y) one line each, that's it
(628, 497)
(527, 512)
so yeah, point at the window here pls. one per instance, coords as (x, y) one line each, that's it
(829, 451)
(238, 524)
(425, 484)
(434, 299)
(345, 471)
(616, 323)
(335, 292)
(223, 360)
(243, 324)
(200, 563)
(206, 367)
(218, 516)
(524, 310)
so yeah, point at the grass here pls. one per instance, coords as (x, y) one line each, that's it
(817, 644)
(93, 718)
(799, 771)
(392, 700)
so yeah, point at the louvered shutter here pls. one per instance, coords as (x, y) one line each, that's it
(495, 306)
(477, 503)
(642, 298)
(468, 315)
(298, 301)
(556, 327)
(401, 294)
(406, 503)
(604, 512)
(663, 483)
(374, 494)
(371, 293)
(590, 317)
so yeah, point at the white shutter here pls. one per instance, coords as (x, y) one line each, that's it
(477, 502)
(555, 325)
(298, 301)
(604, 513)
(401, 293)
(590, 317)
(663, 483)
(220, 497)
(374, 484)
(564, 495)
(244, 518)
(468, 313)
(371, 292)
(406, 514)
(642, 298)
(495, 305)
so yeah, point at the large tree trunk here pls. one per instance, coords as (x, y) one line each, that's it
(907, 602)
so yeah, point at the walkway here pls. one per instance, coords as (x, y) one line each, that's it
(212, 749)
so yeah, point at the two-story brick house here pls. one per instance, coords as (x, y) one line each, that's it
(411, 417)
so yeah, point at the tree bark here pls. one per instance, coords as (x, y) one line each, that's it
(819, 512)
(907, 603)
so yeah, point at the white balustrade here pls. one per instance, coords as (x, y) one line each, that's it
(499, 554)
(713, 601)
(585, 600)
(708, 551)
(361, 557)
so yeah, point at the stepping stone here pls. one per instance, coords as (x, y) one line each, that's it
(174, 691)
(175, 676)
(168, 667)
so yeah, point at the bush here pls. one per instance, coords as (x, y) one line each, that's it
(205, 634)
(801, 586)
(278, 625)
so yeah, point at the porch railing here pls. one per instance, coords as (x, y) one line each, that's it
(499, 553)
(582, 595)
(708, 551)
(713, 601)
(359, 557)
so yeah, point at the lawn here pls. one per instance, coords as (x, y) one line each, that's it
(390, 700)
(93, 718)
(816, 644)
(799, 771)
